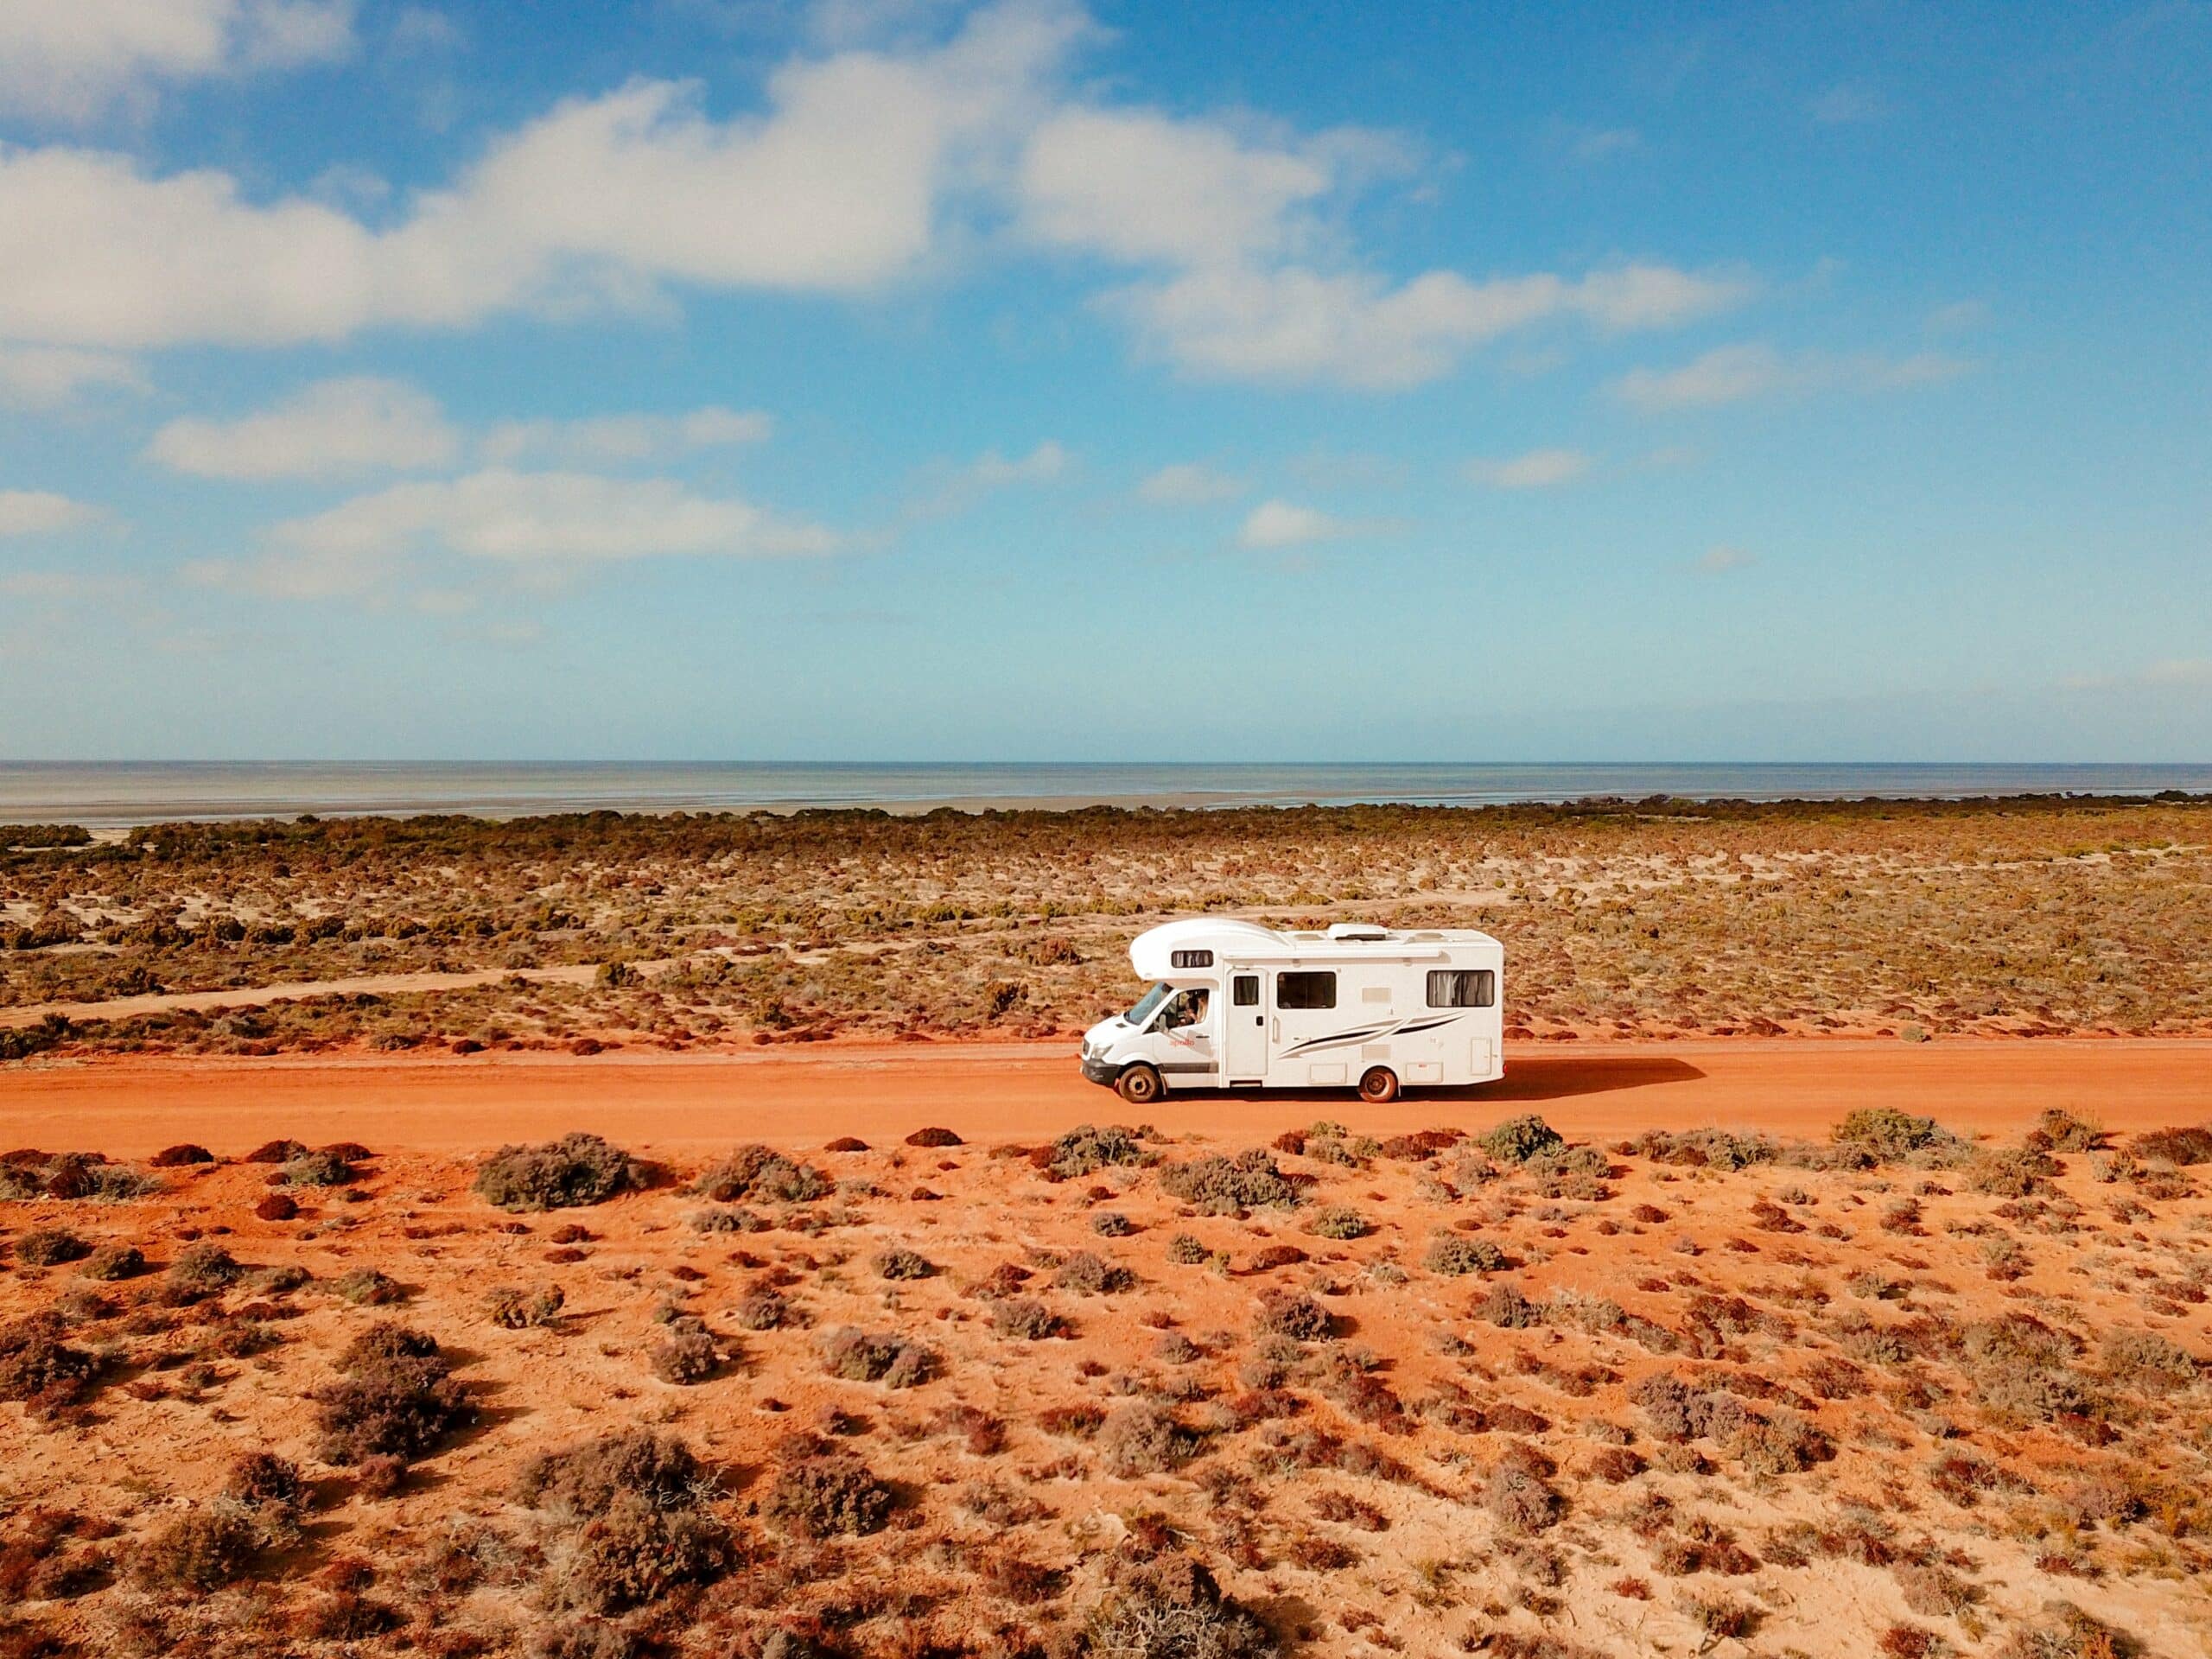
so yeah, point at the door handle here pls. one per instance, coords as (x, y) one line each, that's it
(1259, 1019)
(1276, 1033)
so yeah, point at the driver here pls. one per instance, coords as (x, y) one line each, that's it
(1189, 1009)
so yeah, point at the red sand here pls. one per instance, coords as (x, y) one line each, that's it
(1015, 1092)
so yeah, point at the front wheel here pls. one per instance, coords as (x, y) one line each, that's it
(1379, 1087)
(1138, 1084)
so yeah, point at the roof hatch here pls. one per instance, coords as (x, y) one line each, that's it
(1357, 931)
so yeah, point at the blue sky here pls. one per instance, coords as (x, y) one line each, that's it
(891, 379)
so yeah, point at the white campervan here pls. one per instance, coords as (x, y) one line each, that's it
(1238, 1006)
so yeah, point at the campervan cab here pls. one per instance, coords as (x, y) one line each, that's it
(1235, 1005)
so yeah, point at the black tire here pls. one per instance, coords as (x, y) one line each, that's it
(1378, 1085)
(1138, 1084)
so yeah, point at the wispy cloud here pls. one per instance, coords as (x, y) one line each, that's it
(1730, 374)
(1538, 469)
(40, 513)
(1275, 525)
(49, 376)
(334, 429)
(610, 439)
(72, 60)
(1847, 103)
(947, 488)
(1189, 484)
(1721, 559)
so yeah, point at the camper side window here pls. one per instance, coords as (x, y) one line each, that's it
(1450, 987)
(1305, 990)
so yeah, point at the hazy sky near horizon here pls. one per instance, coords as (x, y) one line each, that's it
(900, 379)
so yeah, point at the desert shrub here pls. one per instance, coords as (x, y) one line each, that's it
(1112, 1224)
(1186, 1251)
(395, 1396)
(1457, 1255)
(50, 1246)
(763, 1310)
(1519, 1498)
(2022, 1368)
(1505, 1306)
(203, 1269)
(1143, 1438)
(279, 1279)
(577, 1169)
(827, 1495)
(277, 1206)
(367, 1288)
(1225, 1185)
(1345, 1510)
(934, 1137)
(177, 1157)
(37, 1365)
(1088, 1273)
(1340, 1221)
(317, 1169)
(2183, 1147)
(761, 1172)
(2010, 1173)
(1028, 1320)
(2147, 1361)
(1885, 1133)
(277, 1151)
(902, 1263)
(2060, 1131)
(202, 1550)
(262, 1480)
(630, 1524)
(728, 1218)
(1293, 1314)
(1703, 1148)
(1170, 1608)
(863, 1357)
(687, 1354)
(2064, 1631)
(114, 1261)
(1782, 1445)
(1518, 1140)
(585, 1480)
(1087, 1148)
(1720, 1616)
(513, 1309)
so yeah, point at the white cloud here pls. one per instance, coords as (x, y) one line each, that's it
(1719, 560)
(334, 429)
(40, 513)
(531, 517)
(73, 59)
(1188, 484)
(602, 201)
(521, 523)
(1138, 187)
(1294, 324)
(1731, 374)
(48, 377)
(1285, 524)
(1539, 470)
(1958, 316)
(608, 439)
(947, 489)
(62, 587)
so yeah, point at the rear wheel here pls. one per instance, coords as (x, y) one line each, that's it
(1378, 1086)
(1138, 1084)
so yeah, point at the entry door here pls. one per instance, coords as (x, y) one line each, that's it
(1244, 1039)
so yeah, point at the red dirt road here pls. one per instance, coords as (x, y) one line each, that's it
(1009, 1092)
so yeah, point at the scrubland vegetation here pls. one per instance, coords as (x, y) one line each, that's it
(2029, 917)
(1895, 1393)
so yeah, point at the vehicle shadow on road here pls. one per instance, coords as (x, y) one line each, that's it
(1543, 1077)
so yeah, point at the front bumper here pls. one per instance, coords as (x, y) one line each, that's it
(1099, 1072)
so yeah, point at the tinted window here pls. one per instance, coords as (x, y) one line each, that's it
(1452, 988)
(1305, 990)
(1245, 990)
(1191, 959)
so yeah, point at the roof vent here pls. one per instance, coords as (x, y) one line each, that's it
(1359, 930)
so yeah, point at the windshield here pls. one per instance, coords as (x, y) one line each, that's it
(1148, 1005)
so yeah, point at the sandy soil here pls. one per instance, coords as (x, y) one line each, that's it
(1845, 1300)
(998, 1091)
